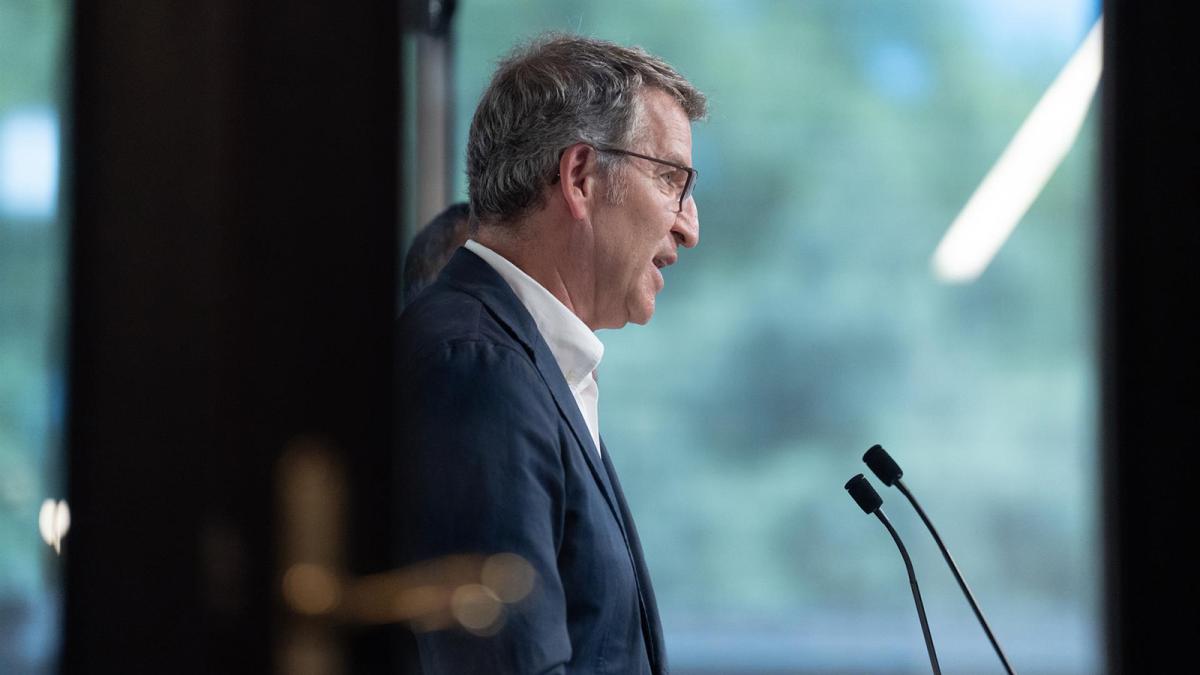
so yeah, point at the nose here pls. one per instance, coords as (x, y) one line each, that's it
(686, 229)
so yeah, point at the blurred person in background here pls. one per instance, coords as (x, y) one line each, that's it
(433, 246)
(578, 165)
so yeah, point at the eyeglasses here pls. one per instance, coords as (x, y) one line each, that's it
(682, 180)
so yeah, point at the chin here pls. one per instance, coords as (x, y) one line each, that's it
(641, 313)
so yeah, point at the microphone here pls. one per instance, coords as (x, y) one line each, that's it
(888, 471)
(870, 502)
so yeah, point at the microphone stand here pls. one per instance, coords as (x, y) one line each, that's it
(962, 583)
(912, 580)
(870, 502)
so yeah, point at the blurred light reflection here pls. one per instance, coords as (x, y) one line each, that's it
(54, 520)
(311, 589)
(477, 609)
(470, 591)
(29, 164)
(509, 576)
(1024, 168)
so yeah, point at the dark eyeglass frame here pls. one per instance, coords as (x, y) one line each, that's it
(691, 173)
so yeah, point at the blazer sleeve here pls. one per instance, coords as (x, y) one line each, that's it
(482, 473)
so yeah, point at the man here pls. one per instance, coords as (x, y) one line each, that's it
(578, 164)
(433, 246)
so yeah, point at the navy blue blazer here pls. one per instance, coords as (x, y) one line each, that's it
(496, 457)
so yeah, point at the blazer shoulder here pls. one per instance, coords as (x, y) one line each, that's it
(443, 317)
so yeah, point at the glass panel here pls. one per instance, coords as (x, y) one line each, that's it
(33, 518)
(844, 139)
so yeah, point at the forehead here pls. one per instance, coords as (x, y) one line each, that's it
(665, 129)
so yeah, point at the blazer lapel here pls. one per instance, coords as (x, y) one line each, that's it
(651, 624)
(473, 275)
(569, 409)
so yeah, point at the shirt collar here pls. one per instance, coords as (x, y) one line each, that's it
(575, 347)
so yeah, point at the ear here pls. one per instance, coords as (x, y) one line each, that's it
(577, 172)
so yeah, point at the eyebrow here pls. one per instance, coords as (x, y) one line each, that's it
(675, 157)
(679, 160)
(650, 154)
(670, 157)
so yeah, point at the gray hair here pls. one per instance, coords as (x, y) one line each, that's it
(544, 97)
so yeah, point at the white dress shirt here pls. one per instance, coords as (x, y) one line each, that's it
(576, 348)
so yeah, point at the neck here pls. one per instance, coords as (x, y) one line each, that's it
(547, 250)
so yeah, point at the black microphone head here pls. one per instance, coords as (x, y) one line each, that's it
(866, 496)
(882, 465)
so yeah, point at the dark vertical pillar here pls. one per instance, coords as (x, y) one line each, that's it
(1152, 366)
(234, 175)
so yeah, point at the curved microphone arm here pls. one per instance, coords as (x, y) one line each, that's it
(962, 583)
(870, 502)
(912, 580)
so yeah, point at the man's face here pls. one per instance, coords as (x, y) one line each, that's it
(641, 234)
